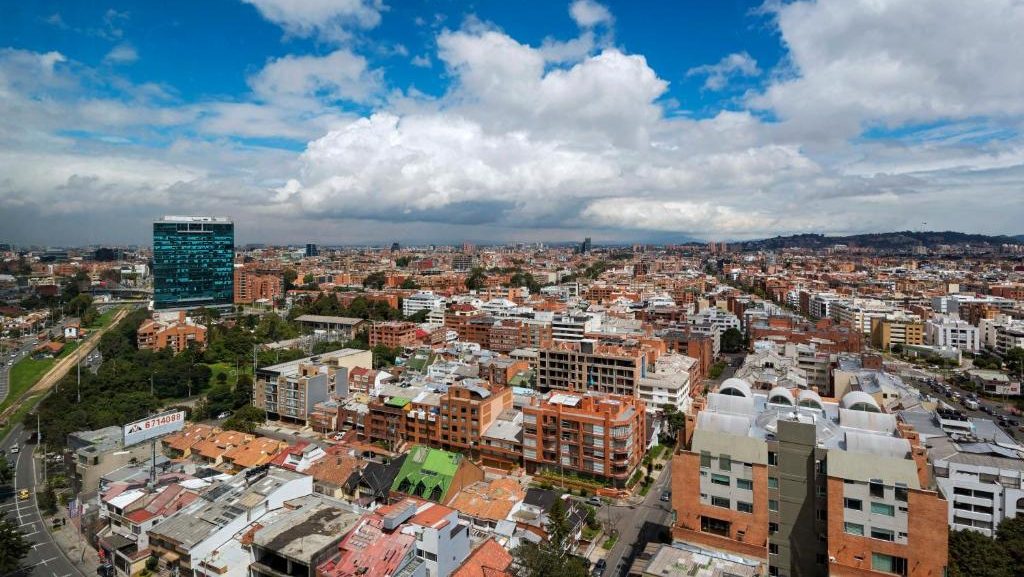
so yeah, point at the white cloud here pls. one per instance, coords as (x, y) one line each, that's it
(338, 76)
(331, 20)
(738, 63)
(421, 61)
(122, 54)
(860, 62)
(587, 13)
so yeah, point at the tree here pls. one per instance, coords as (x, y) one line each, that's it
(375, 280)
(246, 419)
(477, 279)
(13, 546)
(1015, 361)
(550, 557)
(410, 284)
(732, 340)
(1010, 534)
(403, 261)
(384, 356)
(242, 393)
(78, 305)
(419, 316)
(289, 276)
(6, 473)
(308, 279)
(972, 554)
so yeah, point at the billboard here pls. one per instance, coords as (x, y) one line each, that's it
(154, 426)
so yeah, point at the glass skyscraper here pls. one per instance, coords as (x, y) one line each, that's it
(193, 262)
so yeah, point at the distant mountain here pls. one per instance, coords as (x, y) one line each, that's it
(904, 240)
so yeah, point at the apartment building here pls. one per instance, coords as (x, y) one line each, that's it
(173, 330)
(669, 384)
(340, 329)
(467, 409)
(256, 285)
(290, 391)
(858, 313)
(1001, 334)
(947, 331)
(896, 329)
(593, 434)
(811, 485)
(421, 301)
(825, 335)
(589, 365)
(981, 477)
(393, 334)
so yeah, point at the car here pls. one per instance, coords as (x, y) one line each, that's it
(595, 501)
(15, 449)
(224, 415)
(23, 495)
(1013, 422)
(666, 496)
(599, 568)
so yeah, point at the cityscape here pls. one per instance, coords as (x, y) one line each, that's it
(354, 288)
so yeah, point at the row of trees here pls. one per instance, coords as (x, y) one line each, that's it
(972, 554)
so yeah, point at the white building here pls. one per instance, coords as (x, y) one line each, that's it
(858, 313)
(669, 384)
(421, 301)
(946, 331)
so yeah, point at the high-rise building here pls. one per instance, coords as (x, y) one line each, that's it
(312, 249)
(585, 246)
(193, 262)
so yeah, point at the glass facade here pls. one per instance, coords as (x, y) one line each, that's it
(193, 262)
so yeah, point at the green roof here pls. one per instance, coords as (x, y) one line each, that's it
(427, 473)
(398, 402)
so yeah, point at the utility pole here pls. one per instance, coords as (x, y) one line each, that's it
(79, 380)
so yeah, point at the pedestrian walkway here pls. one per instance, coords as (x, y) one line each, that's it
(73, 545)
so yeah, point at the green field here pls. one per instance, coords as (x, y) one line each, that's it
(228, 369)
(19, 415)
(28, 371)
(104, 319)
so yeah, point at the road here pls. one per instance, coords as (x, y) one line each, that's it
(637, 524)
(45, 559)
(8, 361)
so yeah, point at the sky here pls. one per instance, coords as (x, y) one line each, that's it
(372, 121)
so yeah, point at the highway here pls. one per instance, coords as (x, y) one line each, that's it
(45, 559)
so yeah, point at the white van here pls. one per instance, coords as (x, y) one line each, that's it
(971, 404)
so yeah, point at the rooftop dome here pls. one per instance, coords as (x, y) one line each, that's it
(859, 401)
(808, 398)
(781, 396)
(735, 387)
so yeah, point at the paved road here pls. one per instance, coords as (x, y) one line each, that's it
(637, 524)
(8, 361)
(45, 559)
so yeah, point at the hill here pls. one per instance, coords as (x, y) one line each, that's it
(904, 240)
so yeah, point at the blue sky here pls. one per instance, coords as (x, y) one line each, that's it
(363, 121)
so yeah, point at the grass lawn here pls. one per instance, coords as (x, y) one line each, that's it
(28, 371)
(228, 369)
(104, 319)
(609, 542)
(19, 415)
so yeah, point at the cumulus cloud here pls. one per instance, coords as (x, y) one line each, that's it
(717, 75)
(587, 13)
(331, 20)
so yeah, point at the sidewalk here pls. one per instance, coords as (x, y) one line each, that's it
(73, 545)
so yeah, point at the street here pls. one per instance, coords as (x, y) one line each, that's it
(637, 524)
(45, 559)
(8, 358)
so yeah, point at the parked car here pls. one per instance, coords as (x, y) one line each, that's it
(15, 449)
(595, 501)
(599, 567)
(1013, 422)
(666, 496)
(224, 415)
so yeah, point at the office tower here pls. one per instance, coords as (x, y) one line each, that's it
(395, 247)
(585, 247)
(193, 262)
(312, 250)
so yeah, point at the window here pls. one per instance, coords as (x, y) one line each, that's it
(773, 482)
(720, 502)
(773, 548)
(901, 492)
(854, 504)
(715, 526)
(705, 460)
(877, 489)
(773, 527)
(773, 458)
(773, 505)
(745, 484)
(744, 507)
(883, 534)
(883, 509)
(821, 514)
(853, 529)
(888, 564)
(720, 479)
(724, 463)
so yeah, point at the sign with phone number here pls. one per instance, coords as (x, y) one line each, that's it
(154, 426)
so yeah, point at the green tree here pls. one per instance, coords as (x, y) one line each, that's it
(1010, 535)
(477, 279)
(13, 546)
(246, 419)
(732, 340)
(78, 305)
(375, 280)
(384, 356)
(549, 558)
(289, 276)
(972, 554)
(419, 316)
(1015, 361)
(308, 279)
(410, 284)
(242, 393)
(403, 261)
(6, 472)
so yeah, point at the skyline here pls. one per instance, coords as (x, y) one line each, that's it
(362, 122)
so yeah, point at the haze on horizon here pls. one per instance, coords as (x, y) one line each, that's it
(363, 121)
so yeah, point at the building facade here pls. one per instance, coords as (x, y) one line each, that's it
(193, 262)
